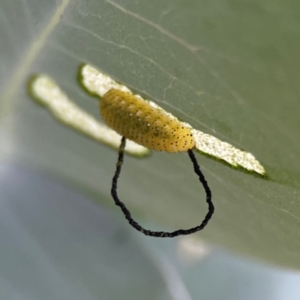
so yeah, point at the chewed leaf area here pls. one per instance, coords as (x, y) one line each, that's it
(47, 92)
(102, 85)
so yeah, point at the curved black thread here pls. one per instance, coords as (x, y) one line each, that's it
(161, 234)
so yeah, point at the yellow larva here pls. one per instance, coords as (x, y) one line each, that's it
(144, 124)
(152, 127)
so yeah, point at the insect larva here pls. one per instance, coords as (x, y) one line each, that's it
(150, 126)
(144, 124)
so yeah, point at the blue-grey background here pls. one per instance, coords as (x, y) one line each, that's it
(57, 243)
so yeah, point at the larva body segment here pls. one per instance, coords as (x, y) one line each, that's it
(139, 121)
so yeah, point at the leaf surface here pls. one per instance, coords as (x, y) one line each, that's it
(230, 69)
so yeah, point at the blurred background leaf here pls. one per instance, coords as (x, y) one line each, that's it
(229, 68)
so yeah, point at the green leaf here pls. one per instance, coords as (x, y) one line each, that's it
(230, 69)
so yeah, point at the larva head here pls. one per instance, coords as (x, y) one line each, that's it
(145, 124)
